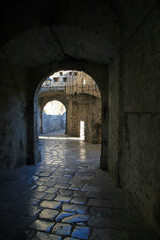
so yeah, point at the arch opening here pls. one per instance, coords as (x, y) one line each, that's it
(80, 96)
(53, 117)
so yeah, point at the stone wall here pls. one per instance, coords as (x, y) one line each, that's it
(85, 108)
(83, 103)
(134, 118)
(81, 83)
(13, 119)
(82, 107)
(52, 123)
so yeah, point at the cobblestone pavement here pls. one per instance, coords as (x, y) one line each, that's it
(66, 196)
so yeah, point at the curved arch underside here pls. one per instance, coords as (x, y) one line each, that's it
(47, 31)
(42, 45)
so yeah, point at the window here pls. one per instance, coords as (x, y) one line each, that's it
(56, 79)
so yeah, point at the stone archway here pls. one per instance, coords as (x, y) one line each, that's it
(53, 117)
(73, 100)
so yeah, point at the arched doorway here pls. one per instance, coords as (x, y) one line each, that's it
(82, 99)
(53, 117)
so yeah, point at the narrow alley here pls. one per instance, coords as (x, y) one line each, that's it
(66, 196)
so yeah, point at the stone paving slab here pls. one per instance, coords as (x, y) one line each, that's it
(41, 188)
(62, 185)
(62, 215)
(66, 192)
(50, 204)
(62, 198)
(81, 232)
(74, 208)
(76, 218)
(42, 225)
(48, 214)
(49, 196)
(79, 193)
(62, 229)
(52, 190)
(79, 200)
(45, 236)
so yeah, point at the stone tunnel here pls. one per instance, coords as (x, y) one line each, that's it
(117, 43)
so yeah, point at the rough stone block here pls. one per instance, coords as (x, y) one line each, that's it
(48, 214)
(62, 198)
(81, 232)
(74, 208)
(50, 204)
(76, 218)
(62, 229)
(45, 236)
(42, 225)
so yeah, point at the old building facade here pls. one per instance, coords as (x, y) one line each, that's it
(82, 99)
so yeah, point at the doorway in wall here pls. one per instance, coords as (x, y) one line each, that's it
(82, 130)
(80, 115)
(53, 117)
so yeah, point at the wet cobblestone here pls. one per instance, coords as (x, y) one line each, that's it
(67, 196)
(42, 225)
(81, 232)
(48, 214)
(62, 229)
(50, 204)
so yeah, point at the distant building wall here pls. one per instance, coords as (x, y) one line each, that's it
(83, 99)
(52, 123)
(85, 108)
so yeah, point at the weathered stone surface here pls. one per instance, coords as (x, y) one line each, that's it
(49, 196)
(93, 188)
(41, 188)
(81, 232)
(62, 198)
(76, 186)
(76, 218)
(48, 214)
(44, 174)
(62, 229)
(50, 204)
(36, 194)
(63, 215)
(42, 225)
(79, 200)
(79, 193)
(45, 236)
(66, 192)
(74, 208)
(62, 185)
(51, 190)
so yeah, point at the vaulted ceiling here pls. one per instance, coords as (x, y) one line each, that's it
(41, 31)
